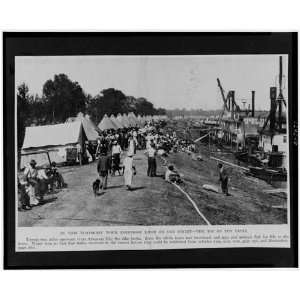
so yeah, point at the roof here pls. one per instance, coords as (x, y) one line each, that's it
(106, 123)
(52, 135)
(89, 127)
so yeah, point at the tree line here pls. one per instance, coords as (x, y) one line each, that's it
(63, 98)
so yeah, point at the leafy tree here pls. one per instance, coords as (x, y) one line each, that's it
(23, 111)
(109, 101)
(161, 111)
(64, 98)
(144, 107)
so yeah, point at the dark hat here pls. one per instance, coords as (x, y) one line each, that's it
(33, 162)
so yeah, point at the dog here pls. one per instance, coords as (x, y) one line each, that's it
(96, 186)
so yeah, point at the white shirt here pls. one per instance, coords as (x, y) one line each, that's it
(116, 149)
(30, 172)
(42, 174)
(151, 152)
(167, 175)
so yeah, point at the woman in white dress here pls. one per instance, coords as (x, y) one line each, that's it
(129, 170)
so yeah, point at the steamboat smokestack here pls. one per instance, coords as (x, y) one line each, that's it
(232, 104)
(280, 96)
(273, 95)
(253, 103)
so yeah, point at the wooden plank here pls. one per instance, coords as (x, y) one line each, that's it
(275, 191)
(200, 138)
(229, 163)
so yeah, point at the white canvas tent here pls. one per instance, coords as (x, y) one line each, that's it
(163, 117)
(140, 120)
(106, 124)
(89, 127)
(52, 138)
(132, 119)
(126, 120)
(121, 121)
(116, 122)
(143, 120)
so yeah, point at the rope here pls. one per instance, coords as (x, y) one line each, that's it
(189, 198)
(193, 203)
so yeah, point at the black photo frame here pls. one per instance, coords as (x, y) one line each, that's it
(184, 43)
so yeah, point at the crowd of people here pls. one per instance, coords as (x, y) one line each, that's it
(111, 146)
(152, 139)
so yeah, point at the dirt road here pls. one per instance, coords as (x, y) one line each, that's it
(153, 202)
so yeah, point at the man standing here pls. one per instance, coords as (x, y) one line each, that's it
(116, 157)
(135, 141)
(129, 170)
(223, 179)
(151, 152)
(102, 168)
(31, 177)
(79, 153)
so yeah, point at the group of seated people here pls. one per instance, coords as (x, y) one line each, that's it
(34, 183)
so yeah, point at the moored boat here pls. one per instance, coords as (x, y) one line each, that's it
(267, 174)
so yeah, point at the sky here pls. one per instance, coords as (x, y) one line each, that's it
(170, 82)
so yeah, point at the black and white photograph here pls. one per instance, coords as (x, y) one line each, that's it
(150, 150)
(139, 151)
(152, 140)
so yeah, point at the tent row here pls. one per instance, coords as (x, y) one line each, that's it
(113, 122)
(56, 142)
(126, 121)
